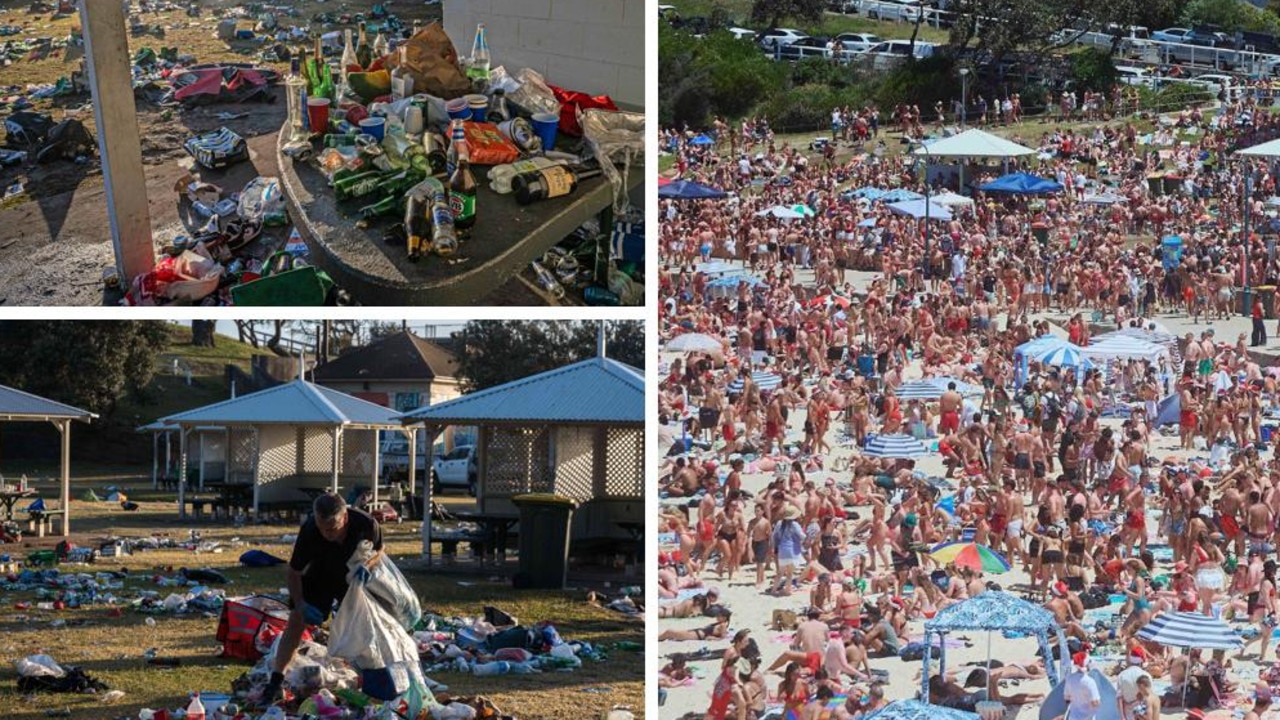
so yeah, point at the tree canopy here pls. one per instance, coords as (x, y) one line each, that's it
(86, 363)
(500, 351)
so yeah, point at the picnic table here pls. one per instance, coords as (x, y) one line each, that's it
(504, 240)
(496, 529)
(9, 498)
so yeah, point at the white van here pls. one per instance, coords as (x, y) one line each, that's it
(892, 53)
(897, 10)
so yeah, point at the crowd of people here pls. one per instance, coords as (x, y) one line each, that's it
(1059, 468)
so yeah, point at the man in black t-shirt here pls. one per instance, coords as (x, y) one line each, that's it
(318, 574)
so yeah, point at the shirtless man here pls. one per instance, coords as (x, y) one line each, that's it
(1187, 419)
(1023, 443)
(951, 404)
(1259, 522)
(1229, 510)
(774, 425)
(809, 644)
(1009, 506)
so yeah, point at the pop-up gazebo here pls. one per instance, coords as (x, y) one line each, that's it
(19, 406)
(576, 431)
(290, 437)
(995, 612)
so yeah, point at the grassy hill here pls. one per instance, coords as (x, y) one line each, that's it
(112, 440)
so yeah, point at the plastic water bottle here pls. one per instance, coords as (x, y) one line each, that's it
(521, 668)
(195, 711)
(497, 667)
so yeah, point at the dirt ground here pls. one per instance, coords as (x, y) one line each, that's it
(54, 236)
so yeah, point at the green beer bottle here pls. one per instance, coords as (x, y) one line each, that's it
(357, 185)
(386, 206)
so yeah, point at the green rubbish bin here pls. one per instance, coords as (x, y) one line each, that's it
(544, 540)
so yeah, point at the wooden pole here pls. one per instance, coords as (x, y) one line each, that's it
(65, 427)
(106, 47)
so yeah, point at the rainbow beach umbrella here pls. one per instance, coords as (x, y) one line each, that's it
(970, 555)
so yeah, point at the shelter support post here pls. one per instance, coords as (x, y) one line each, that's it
(155, 461)
(432, 431)
(64, 427)
(377, 467)
(202, 456)
(942, 654)
(257, 466)
(337, 458)
(182, 473)
(924, 675)
(106, 45)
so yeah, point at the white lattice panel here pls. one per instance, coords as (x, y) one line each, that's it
(574, 460)
(358, 448)
(317, 450)
(516, 461)
(243, 446)
(624, 463)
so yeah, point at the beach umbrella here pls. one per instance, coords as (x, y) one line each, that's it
(689, 190)
(781, 212)
(919, 390)
(920, 209)
(1104, 198)
(1067, 355)
(695, 342)
(949, 200)
(901, 194)
(763, 380)
(970, 555)
(1190, 630)
(917, 710)
(702, 140)
(803, 210)
(895, 446)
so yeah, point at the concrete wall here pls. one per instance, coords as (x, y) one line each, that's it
(595, 46)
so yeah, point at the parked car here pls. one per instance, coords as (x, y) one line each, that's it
(891, 53)
(458, 469)
(1137, 76)
(1127, 41)
(742, 33)
(899, 10)
(778, 36)
(843, 6)
(853, 42)
(1173, 35)
(1224, 87)
(809, 47)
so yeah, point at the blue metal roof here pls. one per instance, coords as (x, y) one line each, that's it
(595, 391)
(294, 403)
(18, 405)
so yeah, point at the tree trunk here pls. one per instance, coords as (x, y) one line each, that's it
(274, 343)
(915, 30)
(202, 333)
(248, 332)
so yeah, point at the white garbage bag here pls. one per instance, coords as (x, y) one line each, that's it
(365, 634)
(39, 666)
(386, 584)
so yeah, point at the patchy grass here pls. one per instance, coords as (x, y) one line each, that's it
(111, 649)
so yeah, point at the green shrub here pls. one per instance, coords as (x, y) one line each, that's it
(1093, 69)
(922, 83)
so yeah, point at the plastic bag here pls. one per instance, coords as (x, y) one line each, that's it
(387, 585)
(262, 201)
(628, 291)
(39, 666)
(432, 62)
(488, 145)
(189, 277)
(367, 635)
(534, 95)
(615, 138)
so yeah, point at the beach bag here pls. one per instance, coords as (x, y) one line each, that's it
(783, 620)
(244, 619)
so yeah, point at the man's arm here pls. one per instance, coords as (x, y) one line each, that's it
(294, 582)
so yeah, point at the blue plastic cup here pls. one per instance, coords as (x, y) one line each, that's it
(375, 126)
(545, 125)
(458, 109)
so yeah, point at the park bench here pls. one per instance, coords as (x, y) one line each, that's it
(449, 540)
(41, 521)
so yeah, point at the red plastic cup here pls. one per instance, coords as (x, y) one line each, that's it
(318, 114)
(356, 113)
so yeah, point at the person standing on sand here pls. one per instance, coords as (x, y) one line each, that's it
(788, 548)
(1081, 691)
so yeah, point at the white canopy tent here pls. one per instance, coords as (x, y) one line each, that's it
(974, 143)
(1266, 149)
(294, 432)
(951, 200)
(19, 406)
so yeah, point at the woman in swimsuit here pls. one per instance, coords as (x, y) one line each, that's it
(718, 630)
(831, 544)
(1262, 610)
(793, 692)
(730, 539)
(1206, 564)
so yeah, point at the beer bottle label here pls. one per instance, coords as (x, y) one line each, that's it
(463, 206)
(558, 180)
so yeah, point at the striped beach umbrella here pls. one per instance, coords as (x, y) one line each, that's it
(1190, 630)
(895, 446)
(970, 555)
(763, 380)
(1068, 355)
